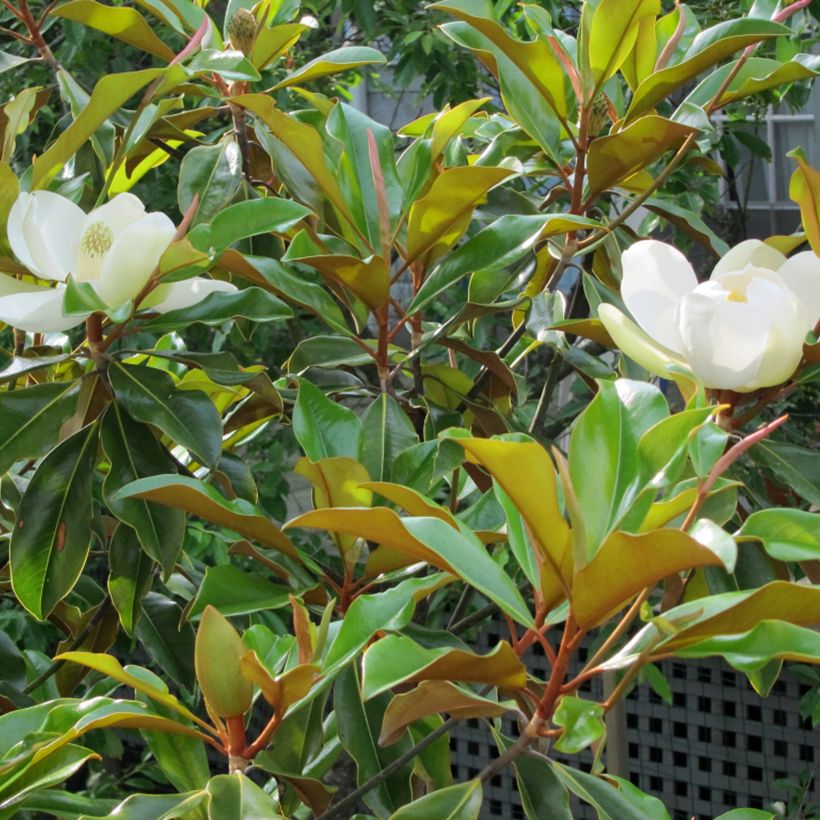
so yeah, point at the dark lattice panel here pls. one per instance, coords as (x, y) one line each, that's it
(718, 746)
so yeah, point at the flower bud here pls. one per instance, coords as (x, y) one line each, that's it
(217, 656)
(242, 31)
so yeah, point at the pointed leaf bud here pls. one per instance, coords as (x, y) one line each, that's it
(217, 657)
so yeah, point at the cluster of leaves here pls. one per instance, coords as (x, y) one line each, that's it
(130, 513)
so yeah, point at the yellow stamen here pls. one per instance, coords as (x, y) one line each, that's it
(95, 243)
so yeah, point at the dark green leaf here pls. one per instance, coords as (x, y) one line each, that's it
(387, 432)
(52, 535)
(216, 308)
(236, 592)
(787, 534)
(214, 172)
(324, 428)
(460, 802)
(30, 419)
(249, 218)
(133, 452)
(187, 417)
(169, 642)
(131, 576)
(582, 722)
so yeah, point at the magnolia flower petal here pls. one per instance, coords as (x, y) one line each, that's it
(132, 258)
(801, 273)
(751, 252)
(44, 230)
(636, 344)
(118, 213)
(655, 277)
(789, 323)
(726, 341)
(177, 295)
(39, 310)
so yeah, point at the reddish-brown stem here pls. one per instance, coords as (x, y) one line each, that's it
(235, 729)
(726, 461)
(382, 355)
(36, 37)
(559, 670)
(262, 739)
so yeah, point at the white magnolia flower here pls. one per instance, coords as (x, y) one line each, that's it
(742, 330)
(115, 248)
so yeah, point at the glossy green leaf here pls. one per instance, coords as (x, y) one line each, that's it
(182, 758)
(167, 639)
(398, 659)
(9, 61)
(663, 448)
(387, 432)
(522, 98)
(582, 722)
(220, 307)
(726, 614)
(542, 793)
(30, 419)
(786, 534)
(153, 807)
(755, 74)
(299, 291)
(612, 797)
(613, 159)
(328, 352)
(111, 92)
(793, 467)
(50, 771)
(710, 47)
(536, 60)
(369, 614)
(358, 726)
(603, 463)
(235, 592)
(767, 641)
(187, 417)
(124, 23)
(214, 174)
(230, 64)
(689, 222)
(109, 665)
(203, 500)
(332, 62)
(131, 574)
(460, 802)
(133, 453)
(324, 428)
(613, 32)
(236, 797)
(433, 696)
(302, 141)
(500, 244)
(52, 535)
(438, 219)
(356, 173)
(249, 218)
(61, 803)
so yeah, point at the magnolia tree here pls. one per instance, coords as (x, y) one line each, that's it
(478, 334)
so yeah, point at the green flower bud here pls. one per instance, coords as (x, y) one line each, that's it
(217, 656)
